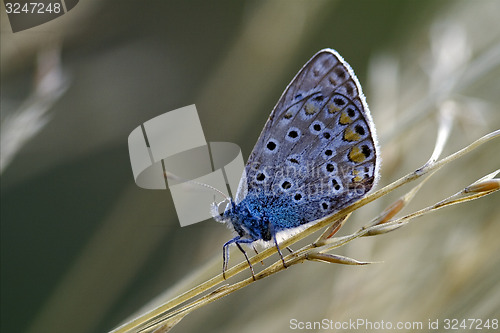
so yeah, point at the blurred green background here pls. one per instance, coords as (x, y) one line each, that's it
(82, 247)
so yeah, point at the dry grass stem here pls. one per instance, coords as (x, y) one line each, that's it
(164, 317)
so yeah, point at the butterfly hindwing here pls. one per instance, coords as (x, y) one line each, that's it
(317, 151)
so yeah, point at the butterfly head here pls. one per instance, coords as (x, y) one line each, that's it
(244, 220)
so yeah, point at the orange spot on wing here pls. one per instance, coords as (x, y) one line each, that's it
(356, 155)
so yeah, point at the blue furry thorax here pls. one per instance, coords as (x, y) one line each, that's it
(259, 217)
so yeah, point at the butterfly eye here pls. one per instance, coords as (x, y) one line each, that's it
(325, 206)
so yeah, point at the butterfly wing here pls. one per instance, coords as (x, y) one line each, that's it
(318, 149)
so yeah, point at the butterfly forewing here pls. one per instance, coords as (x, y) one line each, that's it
(318, 147)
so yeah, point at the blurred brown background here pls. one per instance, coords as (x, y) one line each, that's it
(82, 247)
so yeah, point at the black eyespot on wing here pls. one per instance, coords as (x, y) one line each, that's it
(351, 113)
(359, 129)
(294, 159)
(318, 98)
(349, 88)
(335, 184)
(340, 72)
(366, 150)
(338, 101)
(271, 145)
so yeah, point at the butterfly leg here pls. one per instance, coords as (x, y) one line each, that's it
(225, 254)
(246, 257)
(257, 252)
(272, 233)
(279, 250)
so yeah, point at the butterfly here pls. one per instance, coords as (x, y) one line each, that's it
(317, 154)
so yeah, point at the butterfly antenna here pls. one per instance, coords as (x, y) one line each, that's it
(169, 175)
(212, 188)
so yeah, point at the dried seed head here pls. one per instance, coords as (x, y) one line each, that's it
(392, 210)
(484, 186)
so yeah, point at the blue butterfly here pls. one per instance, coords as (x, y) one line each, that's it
(317, 154)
